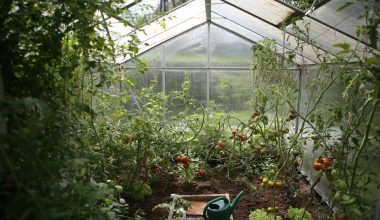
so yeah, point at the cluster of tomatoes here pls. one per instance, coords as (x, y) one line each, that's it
(239, 136)
(186, 164)
(322, 163)
(220, 144)
(128, 138)
(270, 183)
(184, 160)
(292, 115)
(260, 149)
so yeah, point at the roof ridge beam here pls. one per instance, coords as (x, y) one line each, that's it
(208, 9)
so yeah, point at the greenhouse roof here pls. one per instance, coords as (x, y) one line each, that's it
(254, 20)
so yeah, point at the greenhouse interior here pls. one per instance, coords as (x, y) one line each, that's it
(190, 109)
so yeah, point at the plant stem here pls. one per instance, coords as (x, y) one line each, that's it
(365, 138)
(311, 194)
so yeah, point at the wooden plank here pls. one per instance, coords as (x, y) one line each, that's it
(198, 202)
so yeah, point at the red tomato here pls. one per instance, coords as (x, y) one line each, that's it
(186, 165)
(255, 114)
(243, 137)
(182, 159)
(326, 162)
(153, 168)
(221, 144)
(202, 172)
(275, 133)
(185, 159)
(317, 166)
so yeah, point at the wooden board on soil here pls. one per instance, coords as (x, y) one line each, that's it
(198, 203)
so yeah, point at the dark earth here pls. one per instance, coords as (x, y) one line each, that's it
(165, 185)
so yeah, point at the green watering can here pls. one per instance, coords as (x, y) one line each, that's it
(220, 208)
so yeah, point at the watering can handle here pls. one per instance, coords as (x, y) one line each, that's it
(210, 202)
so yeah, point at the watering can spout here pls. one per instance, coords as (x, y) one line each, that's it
(236, 200)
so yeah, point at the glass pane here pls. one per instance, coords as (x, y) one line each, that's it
(142, 10)
(229, 50)
(141, 81)
(242, 23)
(174, 80)
(236, 28)
(187, 50)
(232, 90)
(187, 15)
(325, 37)
(248, 21)
(176, 22)
(345, 20)
(269, 10)
(153, 58)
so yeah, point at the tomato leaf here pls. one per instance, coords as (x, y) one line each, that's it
(343, 46)
(344, 6)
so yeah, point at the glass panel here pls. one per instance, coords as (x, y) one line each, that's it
(187, 50)
(190, 14)
(324, 36)
(198, 87)
(168, 26)
(153, 57)
(236, 20)
(142, 10)
(236, 28)
(117, 29)
(269, 10)
(229, 50)
(246, 20)
(232, 90)
(345, 20)
(140, 81)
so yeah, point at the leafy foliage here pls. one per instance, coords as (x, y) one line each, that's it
(298, 214)
(260, 214)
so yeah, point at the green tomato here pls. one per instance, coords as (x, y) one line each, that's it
(341, 185)
(334, 173)
(271, 173)
(337, 196)
(295, 152)
(118, 188)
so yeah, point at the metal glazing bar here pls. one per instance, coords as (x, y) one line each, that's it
(203, 68)
(299, 96)
(208, 61)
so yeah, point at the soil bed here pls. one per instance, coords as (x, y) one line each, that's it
(166, 185)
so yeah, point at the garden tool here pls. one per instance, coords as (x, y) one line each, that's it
(220, 208)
